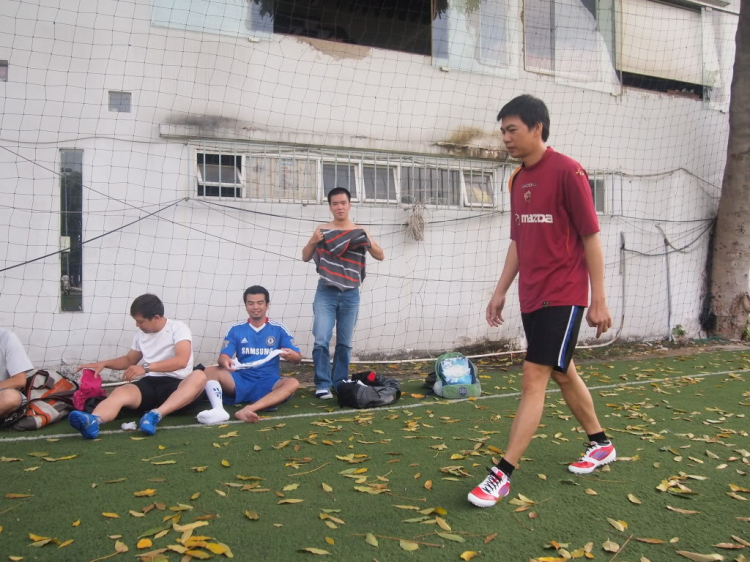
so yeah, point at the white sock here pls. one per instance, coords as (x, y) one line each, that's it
(214, 392)
(213, 416)
(217, 413)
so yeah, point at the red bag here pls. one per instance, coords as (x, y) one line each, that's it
(90, 386)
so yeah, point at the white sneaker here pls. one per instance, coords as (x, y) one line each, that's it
(596, 455)
(323, 394)
(492, 489)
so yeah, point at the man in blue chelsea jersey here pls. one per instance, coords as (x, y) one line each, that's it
(253, 378)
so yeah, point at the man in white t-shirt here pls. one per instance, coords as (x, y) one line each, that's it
(164, 382)
(14, 364)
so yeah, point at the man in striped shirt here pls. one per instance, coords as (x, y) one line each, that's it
(338, 249)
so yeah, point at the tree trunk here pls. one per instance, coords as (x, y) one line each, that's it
(730, 273)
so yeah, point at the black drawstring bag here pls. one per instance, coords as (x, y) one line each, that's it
(368, 390)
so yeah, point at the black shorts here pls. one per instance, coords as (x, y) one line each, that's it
(552, 334)
(155, 391)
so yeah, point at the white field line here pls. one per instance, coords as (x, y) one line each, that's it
(276, 419)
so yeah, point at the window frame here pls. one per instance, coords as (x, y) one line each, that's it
(493, 188)
(316, 159)
(600, 178)
(316, 174)
(566, 76)
(116, 107)
(241, 185)
(378, 164)
(67, 236)
(447, 168)
(323, 198)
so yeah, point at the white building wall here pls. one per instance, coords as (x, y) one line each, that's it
(668, 153)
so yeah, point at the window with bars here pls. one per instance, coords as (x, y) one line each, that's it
(282, 178)
(307, 175)
(430, 186)
(220, 175)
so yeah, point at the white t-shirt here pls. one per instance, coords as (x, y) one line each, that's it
(13, 358)
(160, 346)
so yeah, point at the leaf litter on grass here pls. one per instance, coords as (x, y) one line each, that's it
(634, 418)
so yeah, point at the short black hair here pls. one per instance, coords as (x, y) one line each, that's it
(528, 109)
(256, 290)
(339, 191)
(147, 306)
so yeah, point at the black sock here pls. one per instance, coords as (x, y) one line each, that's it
(505, 467)
(600, 438)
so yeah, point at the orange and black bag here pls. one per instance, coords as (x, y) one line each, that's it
(49, 398)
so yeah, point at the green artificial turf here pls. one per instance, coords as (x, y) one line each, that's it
(660, 429)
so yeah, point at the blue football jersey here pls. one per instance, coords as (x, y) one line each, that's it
(250, 344)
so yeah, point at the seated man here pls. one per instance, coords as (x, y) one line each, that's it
(261, 341)
(166, 382)
(14, 364)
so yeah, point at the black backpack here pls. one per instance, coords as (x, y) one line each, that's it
(368, 390)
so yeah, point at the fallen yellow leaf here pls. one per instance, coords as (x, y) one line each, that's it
(683, 511)
(199, 554)
(318, 551)
(634, 500)
(700, 557)
(619, 525)
(408, 545)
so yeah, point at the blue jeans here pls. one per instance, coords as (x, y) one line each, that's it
(332, 306)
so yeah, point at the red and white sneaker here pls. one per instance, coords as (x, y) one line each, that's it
(596, 455)
(492, 489)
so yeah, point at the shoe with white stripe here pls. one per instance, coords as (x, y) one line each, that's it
(596, 455)
(492, 489)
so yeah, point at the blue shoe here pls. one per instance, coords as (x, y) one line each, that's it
(149, 421)
(87, 424)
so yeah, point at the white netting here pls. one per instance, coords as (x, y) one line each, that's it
(184, 148)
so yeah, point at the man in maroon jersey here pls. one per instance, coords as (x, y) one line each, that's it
(556, 250)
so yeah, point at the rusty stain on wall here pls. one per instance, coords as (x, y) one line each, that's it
(473, 142)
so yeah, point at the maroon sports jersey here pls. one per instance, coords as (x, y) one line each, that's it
(551, 208)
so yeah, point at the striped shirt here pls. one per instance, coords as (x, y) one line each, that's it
(340, 258)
